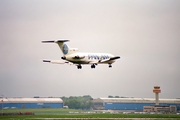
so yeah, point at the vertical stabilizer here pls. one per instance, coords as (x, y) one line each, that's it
(64, 47)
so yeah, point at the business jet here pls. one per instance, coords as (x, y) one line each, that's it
(72, 56)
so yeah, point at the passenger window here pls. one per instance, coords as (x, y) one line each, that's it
(101, 57)
(98, 57)
(104, 57)
(91, 57)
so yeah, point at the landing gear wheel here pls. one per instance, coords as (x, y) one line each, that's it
(110, 66)
(79, 67)
(93, 66)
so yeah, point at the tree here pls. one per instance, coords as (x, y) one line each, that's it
(110, 96)
(116, 96)
(78, 102)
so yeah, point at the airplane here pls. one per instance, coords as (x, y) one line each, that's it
(72, 56)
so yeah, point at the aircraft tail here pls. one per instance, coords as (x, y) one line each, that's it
(64, 47)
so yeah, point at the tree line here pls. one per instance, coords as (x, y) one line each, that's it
(81, 102)
(110, 96)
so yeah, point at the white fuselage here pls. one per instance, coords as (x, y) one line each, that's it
(89, 58)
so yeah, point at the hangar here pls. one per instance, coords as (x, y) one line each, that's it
(31, 103)
(135, 104)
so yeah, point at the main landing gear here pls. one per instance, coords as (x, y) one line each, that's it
(110, 66)
(79, 67)
(93, 66)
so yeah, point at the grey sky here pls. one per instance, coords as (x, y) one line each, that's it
(145, 33)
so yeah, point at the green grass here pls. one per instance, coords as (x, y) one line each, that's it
(65, 113)
(95, 116)
(43, 111)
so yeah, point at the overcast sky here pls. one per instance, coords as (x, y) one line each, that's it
(145, 33)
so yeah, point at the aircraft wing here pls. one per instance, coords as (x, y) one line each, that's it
(106, 60)
(57, 62)
(94, 62)
(112, 58)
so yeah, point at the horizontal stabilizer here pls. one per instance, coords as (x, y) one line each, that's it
(54, 41)
(62, 41)
(57, 62)
(46, 61)
(48, 41)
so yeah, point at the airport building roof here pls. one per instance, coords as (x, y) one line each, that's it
(32, 100)
(136, 100)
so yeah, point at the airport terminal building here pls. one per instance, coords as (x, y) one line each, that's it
(31, 103)
(135, 104)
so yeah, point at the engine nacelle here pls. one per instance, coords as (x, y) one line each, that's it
(79, 57)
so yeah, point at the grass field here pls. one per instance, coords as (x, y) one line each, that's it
(79, 114)
(43, 111)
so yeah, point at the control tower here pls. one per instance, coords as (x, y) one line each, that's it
(157, 90)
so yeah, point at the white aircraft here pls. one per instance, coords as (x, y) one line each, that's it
(72, 56)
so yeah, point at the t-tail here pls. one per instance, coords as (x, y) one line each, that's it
(66, 50)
